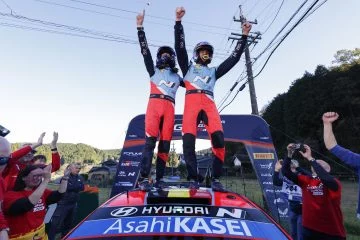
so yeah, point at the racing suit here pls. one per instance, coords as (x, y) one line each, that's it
(159, 118)
(199, 103)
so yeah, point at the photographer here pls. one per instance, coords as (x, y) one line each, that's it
(348, 157)
(322, 216)
(293, 194)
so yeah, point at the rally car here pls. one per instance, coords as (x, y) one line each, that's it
(177, 212)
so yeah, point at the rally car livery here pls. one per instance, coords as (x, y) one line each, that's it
(178, 213)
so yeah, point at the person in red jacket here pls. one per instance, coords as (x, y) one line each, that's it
(5, 151)
(24, 156)
(25, 207)
(321, 195)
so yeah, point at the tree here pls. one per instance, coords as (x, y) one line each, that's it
(349, 57)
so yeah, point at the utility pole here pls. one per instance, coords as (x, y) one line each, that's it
(248, 64)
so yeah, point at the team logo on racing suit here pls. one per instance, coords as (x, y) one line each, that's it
(205, 79)
(168, 84)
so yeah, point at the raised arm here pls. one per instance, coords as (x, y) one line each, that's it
(145, 51)
(277, 181)
(180, 48)
(286, 170)
(320, 167)
(234, 58)
(353, 159)
(55, 157)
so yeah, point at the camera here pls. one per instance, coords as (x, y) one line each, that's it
(3, 131)
(299, 147)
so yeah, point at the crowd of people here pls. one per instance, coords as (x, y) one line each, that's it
(315, 197)
(24, 193)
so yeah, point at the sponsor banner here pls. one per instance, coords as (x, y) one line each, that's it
(178, 225)
(263, 156)
(179, 210)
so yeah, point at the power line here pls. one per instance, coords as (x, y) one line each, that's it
(277, 13)
(8, 6)
(118, 16)
(152, 16)
(287, 34)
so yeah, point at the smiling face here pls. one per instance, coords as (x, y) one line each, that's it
(34, 178)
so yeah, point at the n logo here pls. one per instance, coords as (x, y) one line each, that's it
(168, 84)
(205, 79)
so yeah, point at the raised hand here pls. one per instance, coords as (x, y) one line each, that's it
(330, 117)
(278, 165)
(179, 13)
(54, 141)
(39, 142)
(140, 19)
(307, 154)
(47, 172)
(246, 27)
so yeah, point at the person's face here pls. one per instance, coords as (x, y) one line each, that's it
(204, 54)
(293, 169)
(165, 54)
(75, 169)
(34, 178)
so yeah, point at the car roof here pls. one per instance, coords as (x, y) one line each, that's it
(178, 212)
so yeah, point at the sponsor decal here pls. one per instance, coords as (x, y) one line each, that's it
(184, 225)
(266, 175)
(316, 190)
(132, 154)
(175, 210)
(124, 184)
(267, 183)
(201, 126)
(39, 206)
(205, 79)
(272, 191)
(133, 136)
(263, 156)
(235, 213)
(126, 174)
(127, 163)
(124, 211)
(167, 83)
(178, 225)
(266, 166)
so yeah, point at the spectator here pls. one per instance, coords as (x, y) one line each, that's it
(321, 215)
(199, 82)
(64, 214)
(18, 160)
(294, 195)
(25, 207)
(26, 157)
(350, 158)
(5, 151)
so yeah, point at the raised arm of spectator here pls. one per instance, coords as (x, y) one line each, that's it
(286, 170)
(349, 157)
(277, 180)
(55, 156)
(145, 51)
(234, 58)
(180, 47)
(321, 168)
(16, 155)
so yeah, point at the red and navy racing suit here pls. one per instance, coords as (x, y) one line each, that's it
(199, 103)
(159, 118)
